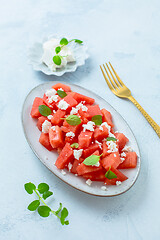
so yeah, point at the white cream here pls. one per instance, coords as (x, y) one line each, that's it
(49, 52)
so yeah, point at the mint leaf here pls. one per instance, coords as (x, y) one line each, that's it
(44, 211)
(59, 209)
(78, 41)
(64, 41)
(57, 60)
(29, 187)
(91, 160)
(47, 194)
(97, 119)
(61, 93)
(44, 110)
(34, 205)
(64, 214)
(43, 187)
(110, 175)
(66, 222)
(111, 139)
(74, 145)
(73, 120)
(57, 49)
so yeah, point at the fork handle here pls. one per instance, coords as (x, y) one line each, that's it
(154, 125)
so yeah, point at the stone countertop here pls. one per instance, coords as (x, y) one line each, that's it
(127, 34)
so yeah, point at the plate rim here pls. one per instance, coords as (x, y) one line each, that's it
(37, 155)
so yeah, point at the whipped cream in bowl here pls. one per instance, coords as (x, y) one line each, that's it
(71, 56)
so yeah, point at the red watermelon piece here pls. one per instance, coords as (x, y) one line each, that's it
(63, 86)
(35, 111)
(120, 177)
(107, 117)
(122, 140)
(84, 139)
(56, 137)
(112, 160)
(44, 140)
(65, 156)
(41, 121)
(130, 161)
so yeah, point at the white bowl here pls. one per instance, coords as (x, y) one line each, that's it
(36, 52)
(48, 158)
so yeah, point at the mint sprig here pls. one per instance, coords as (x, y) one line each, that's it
(44, 110)
(61, 93)
(57, 59)
(74, 145)
(111, 139)
(73, 120)
(110, 175)
(92, 160)
(97, 119)
(44, 210)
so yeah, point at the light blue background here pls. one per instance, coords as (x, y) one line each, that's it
(127, 34)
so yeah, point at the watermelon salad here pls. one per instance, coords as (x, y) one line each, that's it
(83, 135)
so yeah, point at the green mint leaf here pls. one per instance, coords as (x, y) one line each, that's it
(74, 145)
(97, 119)
(64, 41)
(111, 139)
(43, 187)
(64, 214)
(44, 211)
(57, 49)
(61, 93)
(44, 110)
(59, 209)
(78, 41)
(73, 120)
(91, 160)
(34, 205)
(110, 175)
(47, 194)
(57, 60)
(29, 187)
(66, 222)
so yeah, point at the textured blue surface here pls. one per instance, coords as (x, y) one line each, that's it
(127, 34)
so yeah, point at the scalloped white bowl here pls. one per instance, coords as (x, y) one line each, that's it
(36, 51)
(48, 158)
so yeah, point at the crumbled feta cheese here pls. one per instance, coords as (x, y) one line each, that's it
(73, 111)
(122, 159)
(69, 166)
(89, 182)
(54, 111)
(63, 105)
(63, 172)
(127, 149)
(97, 164)
(49, 117)
(106, 125)
(123, 154)
(78, 107)
(111, 135)
(45, 126)
(112, 146)
(89, 126)
(76, 174)
(70, 134)
(77, 153)
(54, 128)
(114, 155)
(103, 188)
(81, 106)
(99, 144)
(60, 89)
(118, 183)
(53, 98)
(51, 92)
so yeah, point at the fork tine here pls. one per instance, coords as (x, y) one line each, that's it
(120, 81)
(117, 83)
(109, 85)
(113, 84)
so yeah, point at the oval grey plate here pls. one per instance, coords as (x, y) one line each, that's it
(48, 158)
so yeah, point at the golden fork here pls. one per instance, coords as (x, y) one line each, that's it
(120, 90)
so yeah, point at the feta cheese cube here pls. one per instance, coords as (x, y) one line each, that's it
(63, 105)
(45, 126)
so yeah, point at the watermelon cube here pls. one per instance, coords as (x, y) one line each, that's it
(130, 161)
(65, 156)
(35, 111)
